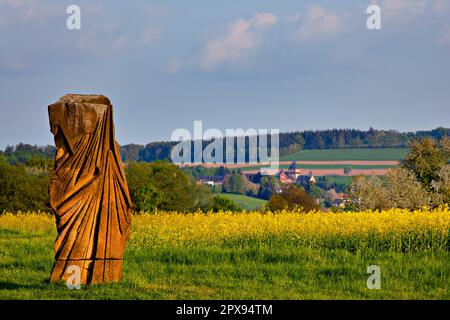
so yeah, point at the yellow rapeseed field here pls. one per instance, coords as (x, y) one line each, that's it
(391, 229)
(247, 255)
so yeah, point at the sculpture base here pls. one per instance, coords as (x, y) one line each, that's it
(91, 271)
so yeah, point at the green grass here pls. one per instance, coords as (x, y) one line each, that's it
(325, 166)
(275, 269)
(347, 154)
(245, 202)
(343, 180)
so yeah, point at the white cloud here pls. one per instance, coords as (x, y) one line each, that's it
(263, 20)
(401, 11)
(242, 35)
(23, 11)
(319, 24)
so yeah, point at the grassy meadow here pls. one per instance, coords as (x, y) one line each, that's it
(247, 256)
(361, 154)
(245, 202)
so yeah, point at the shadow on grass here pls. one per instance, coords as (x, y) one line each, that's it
(18, 286)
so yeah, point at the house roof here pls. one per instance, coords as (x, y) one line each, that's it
(279, 173)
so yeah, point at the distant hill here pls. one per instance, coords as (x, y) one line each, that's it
(291, 143)
(23, 153)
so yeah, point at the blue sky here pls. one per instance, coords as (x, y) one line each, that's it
(288, 65)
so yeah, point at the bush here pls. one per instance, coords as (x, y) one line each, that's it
(268, 185)
(398, 189)
(441, 187)
(234, 183)
(162, 185)
(278, 203)
(147, 198)
(292, 197)
(224, 204)
(23, 190)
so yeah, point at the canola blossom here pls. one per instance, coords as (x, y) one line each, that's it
(395, 229)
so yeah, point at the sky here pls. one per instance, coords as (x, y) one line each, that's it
(285, 64)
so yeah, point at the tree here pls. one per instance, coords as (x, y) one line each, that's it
(278, 203)
(367, 193)
(404, 191)
(22, 153)
(315, 191)
(425, 159)
(40, 162)
(156, 151)
(331, 194)
(22, 190)
(147, 199)
(398, 189)
(444, 145)
(268, 185)
(234, 183)
(163, 185)
(441, 187)
(130, 152)
(292, 197)
(299, 140)
(224, 204)
(3, 160)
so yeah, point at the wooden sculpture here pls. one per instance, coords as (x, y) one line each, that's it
(88, 190)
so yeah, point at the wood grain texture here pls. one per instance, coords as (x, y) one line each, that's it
(88, 190)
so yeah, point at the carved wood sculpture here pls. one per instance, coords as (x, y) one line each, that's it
(88, 190)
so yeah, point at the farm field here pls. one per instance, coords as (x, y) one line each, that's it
(346, 180)
(363, 164)
(362, 154)
(247, 256)
(330, 172)
(318, 165)
(332, 162)
(245, 202)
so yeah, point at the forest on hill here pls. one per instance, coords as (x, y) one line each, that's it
(289, 142)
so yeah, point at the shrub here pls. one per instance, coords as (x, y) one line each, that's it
(398, 189)
(162, 185)
(23, 190)
(441, 187)
(292, 197)
(224, 204)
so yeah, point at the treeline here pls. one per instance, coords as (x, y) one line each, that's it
(27, 154)
(289, 142)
